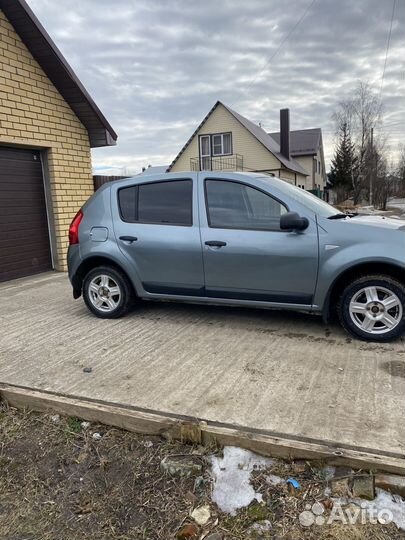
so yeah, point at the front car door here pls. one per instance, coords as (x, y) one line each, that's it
(157, 229)
(246, 255)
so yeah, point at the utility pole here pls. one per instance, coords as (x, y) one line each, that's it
(372, 165)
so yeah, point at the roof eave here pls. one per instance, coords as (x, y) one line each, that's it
(293, 168)
(304, 153)
(57, 69)
(193, 135)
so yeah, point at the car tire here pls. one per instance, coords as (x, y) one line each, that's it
(372, 308)
(107, 292)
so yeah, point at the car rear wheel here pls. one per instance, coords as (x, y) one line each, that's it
(107, 292)
(372, 308)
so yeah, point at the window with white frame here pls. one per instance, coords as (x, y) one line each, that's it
(221, 144)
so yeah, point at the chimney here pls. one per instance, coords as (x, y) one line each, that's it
(285, 133)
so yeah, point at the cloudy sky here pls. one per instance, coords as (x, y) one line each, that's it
(155, 67)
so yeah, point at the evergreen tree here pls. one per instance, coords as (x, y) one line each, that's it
(344, 165)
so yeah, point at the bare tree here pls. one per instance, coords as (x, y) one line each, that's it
(385, 184)
(360, 113)
(400, 171)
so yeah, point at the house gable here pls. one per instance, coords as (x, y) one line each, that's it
(57, 70)
(220, 120)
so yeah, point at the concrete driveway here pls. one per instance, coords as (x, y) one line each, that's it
(276, 372)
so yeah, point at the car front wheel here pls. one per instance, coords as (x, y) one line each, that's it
(372, 308)
(107, 292)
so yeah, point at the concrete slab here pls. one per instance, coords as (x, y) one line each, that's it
(279, 373)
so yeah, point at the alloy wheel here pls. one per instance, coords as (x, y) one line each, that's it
(104, 293)
(375, 310)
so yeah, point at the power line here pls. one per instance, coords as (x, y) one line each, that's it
(388, 46)
(270, 58)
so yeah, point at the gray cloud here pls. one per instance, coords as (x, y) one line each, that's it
(155, 67)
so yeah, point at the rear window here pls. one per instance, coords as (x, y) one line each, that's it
(127, 201)
(167, 202)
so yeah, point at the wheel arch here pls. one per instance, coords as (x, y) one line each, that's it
(90, 263)
(358, 270)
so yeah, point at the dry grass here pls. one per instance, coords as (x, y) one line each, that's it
(58, 483)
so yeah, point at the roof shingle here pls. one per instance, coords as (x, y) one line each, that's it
(302, 141)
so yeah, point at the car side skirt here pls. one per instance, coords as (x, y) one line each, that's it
(226, 293)
(231, 302)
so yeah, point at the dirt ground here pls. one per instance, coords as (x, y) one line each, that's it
(60, 481)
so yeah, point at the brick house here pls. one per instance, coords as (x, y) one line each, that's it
(48, 124)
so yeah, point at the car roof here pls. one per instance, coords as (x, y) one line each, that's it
(165, 177)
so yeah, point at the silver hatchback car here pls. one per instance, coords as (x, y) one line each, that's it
(240, 239)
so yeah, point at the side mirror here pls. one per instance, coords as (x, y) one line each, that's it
(292, 221)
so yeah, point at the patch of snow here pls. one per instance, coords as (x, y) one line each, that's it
(148, 444)
(397, 203)
(382, 505)
(370, 210)
(329, 472)
(386, 501)
(274, 480)
(232, 488)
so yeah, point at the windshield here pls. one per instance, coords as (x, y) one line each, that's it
(312, 202)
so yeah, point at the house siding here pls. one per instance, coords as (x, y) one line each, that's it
(34, 114)
(310, 164)
(320, 178)
(307, 163)
(255, 156)
(291, 177)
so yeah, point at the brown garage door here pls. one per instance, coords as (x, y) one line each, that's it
(24, 236)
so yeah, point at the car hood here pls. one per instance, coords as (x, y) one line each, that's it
(375, 221)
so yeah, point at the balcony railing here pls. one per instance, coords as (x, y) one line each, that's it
(233, 162)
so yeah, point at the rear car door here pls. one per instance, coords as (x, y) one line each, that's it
(246, 254)
(157, 229)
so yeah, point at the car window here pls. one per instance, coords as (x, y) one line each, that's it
(312, 202)
(127, 201)
(165, 202)
(239, 206)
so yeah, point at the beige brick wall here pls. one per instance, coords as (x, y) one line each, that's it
(34, 114)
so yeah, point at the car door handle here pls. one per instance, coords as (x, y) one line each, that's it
(129, 238)
(215, 243)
